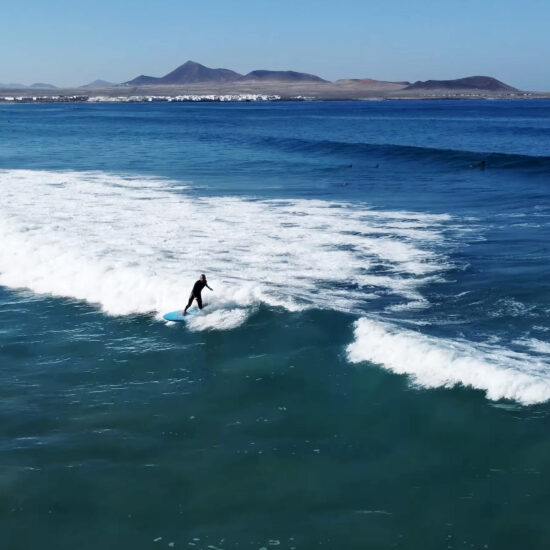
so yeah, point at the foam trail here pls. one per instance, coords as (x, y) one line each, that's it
(434, 362)
(221, 319)
(133, 244)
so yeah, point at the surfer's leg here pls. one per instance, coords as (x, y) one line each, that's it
(199, 301)
(191, 298)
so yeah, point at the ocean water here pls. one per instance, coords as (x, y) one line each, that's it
(371, 370)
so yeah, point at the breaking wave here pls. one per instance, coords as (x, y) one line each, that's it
(132, 245)
(435, 362)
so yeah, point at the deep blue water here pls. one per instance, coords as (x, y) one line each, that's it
(372, 369)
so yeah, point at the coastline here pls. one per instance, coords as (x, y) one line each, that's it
(252, 92)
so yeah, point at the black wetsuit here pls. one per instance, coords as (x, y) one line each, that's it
(196, 293)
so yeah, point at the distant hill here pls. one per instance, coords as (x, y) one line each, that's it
(141, 80)
(43, 86)
(484, 83)
(99, 84)
(188, 73)
(192, 72)
(281, 76)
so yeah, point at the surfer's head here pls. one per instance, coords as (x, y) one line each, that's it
(203, 277)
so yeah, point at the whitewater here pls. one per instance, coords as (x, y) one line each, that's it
(134, 244)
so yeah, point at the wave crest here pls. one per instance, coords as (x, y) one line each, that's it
(450, 157)
(433, 362)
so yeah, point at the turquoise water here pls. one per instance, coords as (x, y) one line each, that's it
(372, 369)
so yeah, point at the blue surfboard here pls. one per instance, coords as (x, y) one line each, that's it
(178, 315)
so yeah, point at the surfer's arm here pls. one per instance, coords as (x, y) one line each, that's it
(210, 288)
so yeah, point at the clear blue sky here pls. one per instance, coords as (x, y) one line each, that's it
(72, 42)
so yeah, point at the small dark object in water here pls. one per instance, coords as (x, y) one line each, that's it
(481, 165)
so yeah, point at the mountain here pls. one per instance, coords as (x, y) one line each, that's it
(188, 73)
(141, 80)
(281, 76)
(192, 72)
(485, 83)
(43, 86)
(99, 84)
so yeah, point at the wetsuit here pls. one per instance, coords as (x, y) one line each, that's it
(196, 293)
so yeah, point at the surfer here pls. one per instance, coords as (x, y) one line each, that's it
(196, 292)
(481, 165)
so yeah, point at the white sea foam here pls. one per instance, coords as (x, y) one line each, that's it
(435, 362)
(132, 244)
(135, 245)
(220, 319)
(536, 345)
